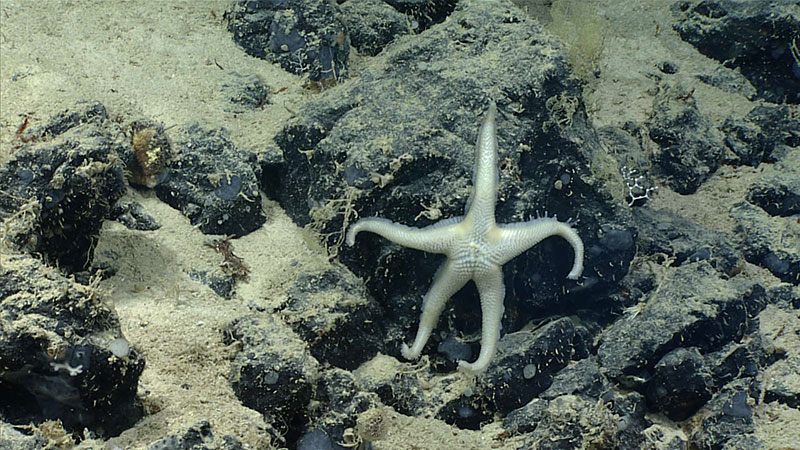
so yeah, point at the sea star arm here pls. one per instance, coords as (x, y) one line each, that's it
(436, 238)
(485, 178)
(491, 289)
(446, 283)
(515, 238)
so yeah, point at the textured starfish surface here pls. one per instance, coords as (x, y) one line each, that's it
(476, 248)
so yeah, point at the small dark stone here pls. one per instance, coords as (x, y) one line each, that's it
(735, 360)
(631, 409)
(401, 391)
(728, 419)
(222, 285)
(668, 67)
(695, 307)
(566, 422)
(316, 439)
(779, 194)
(664, 233)
(728, 80)
(229, 188)
(455, 350)
(133, 216)
(737, 406)
(526, 418)
(244, 92)
(747, 141)
(782, 389)
(199, 436)
(579, 378)
(465, 413)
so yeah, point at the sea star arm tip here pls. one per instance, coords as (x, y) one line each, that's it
(516, 238)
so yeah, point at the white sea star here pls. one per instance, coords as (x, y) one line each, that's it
(476, 249)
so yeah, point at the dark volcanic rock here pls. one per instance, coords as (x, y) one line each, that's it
(395, 386)
(631, 408)
(572, 420)
(693, 307)
(198, 436)
(340, 402)
(318, 439)
(333, 313)
(273, 373)
(681, 383)
(214, 183)
(243, 92)
(611, 254)
(525, 364)
(372, 24)
(664, 233)
(747, 141)
(581, 378)
(778, 196)
(765, 134)
(569, 422)
(338, 391)
(753, 37)
(728, 80)
(783, 387)
(303, 36)
(466, 413)
(780, 125)
(780, 332)
(62, 353)
(221, 285)
(133, 216)
(728, 423)
(736, 360)
(526, 418)
(779, 193)
(771, 242)
(58, 189)
(449, 351)
(690, 146)
(424, 13)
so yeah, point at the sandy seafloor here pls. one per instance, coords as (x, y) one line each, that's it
(161, 60)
